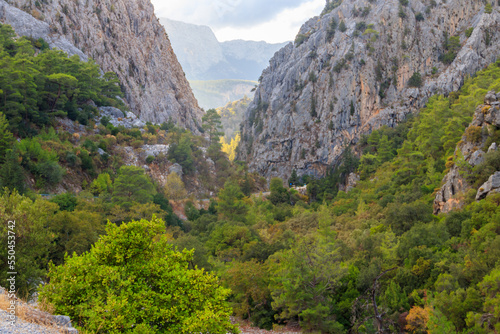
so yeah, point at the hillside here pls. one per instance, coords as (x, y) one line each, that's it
(382, 121)
(203, 57)
(359, 66)
(372, 259)
(124, 37)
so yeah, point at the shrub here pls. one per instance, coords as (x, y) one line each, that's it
(65, 201)
(133, 281)
(488, 9)
(473, 133)
(468, 32)
(50, 172)
(150, 159)
(419, 17)
(342, 26)
(301, 38)
(174, 188)
(415, 80)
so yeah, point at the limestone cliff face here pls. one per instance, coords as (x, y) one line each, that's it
(322, 92)
(124, 36)
(469, 153)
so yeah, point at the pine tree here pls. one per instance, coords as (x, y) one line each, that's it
(11, 173)
(212, 125)
(6, 137)
(384, 150)
(131, 186)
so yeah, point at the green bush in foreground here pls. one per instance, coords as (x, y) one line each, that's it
(132, 281)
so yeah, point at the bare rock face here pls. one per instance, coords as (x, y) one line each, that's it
(489, 187)
(324, 91)
(486, 117)
(124, 36)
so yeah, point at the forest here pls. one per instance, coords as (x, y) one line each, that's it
(374, 259)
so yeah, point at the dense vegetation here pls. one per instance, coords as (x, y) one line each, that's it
(330, 261)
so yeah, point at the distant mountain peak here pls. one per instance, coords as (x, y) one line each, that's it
(203, 57)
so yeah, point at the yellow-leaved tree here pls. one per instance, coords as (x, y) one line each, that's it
(230, 148)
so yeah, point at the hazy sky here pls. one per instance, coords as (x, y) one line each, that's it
(269, 20)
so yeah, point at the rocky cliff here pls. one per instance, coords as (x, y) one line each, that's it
(360, 65)
(123, 36)
(472, 153)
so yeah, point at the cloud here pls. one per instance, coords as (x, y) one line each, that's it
(224, 13)
(283, 27)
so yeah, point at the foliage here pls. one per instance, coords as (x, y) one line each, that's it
(212, 125)
(6, 138)
(132, 280)
(38, 85)
(230, 204)
(66, 202)
(230, 148)
(415, 80)
(132, 186)
(174, 187)
(181, 152)
(33, 241)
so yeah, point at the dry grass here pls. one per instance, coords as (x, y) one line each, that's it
(30, 314)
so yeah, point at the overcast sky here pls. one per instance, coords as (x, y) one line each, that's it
(272, 21)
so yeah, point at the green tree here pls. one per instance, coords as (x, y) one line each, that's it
(304, 281)
(34, 239)
(279, 194)
(488, 9)
(132, 185)
(212, 125)
(415, 80)
(342, 26)
(11, 173)
(101, 185)
(230, 204)
(384, 150)
(174, 188)
(181, 152)
(133, 281)
(6, 137)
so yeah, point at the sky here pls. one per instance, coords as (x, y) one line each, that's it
(273, 21)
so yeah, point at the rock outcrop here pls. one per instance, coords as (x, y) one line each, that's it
(123, 36)
(469, 153)
(489, 187)
(331, 86)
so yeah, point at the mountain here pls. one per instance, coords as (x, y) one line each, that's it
(203, 57)
(124, 37)
(217, 93)
(357, 67)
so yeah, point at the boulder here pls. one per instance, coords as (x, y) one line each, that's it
(489, 187)
(175, 168)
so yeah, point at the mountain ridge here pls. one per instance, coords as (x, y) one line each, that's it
(125, 37)
(203, 57)
(332, 86)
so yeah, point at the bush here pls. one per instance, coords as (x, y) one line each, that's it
(468, 32)
(419, 17)
(415, 80)
(473, 133)
(50, 172)
(133, 281)
(488, 9)
(150, 159)
(301, 38)
(66, 202)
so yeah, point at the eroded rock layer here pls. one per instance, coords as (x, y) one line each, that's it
(124, 36)
(333, 85)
